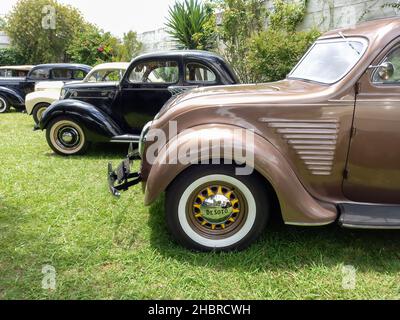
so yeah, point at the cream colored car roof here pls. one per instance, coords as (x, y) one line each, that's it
(22, 68)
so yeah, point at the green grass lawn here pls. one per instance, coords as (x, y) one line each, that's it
(57, 211)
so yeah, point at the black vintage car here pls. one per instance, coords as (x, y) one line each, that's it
(14, 89)
(117, 112)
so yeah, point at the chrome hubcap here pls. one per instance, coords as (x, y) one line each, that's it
(68, 136)
(216, 209)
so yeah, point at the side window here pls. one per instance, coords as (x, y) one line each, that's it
(40, 74)
(62, 74)
(155, 72)
(394, 58)
(79, 74)
(196, 72)
(105, 76)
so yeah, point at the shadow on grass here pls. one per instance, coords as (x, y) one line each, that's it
(289, 248)
(100, 151)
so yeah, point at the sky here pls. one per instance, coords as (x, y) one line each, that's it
(116, 16)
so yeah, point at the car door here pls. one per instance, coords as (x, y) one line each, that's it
(145, 89)
(373, 170)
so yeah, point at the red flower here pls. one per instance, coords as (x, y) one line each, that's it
(100, 49)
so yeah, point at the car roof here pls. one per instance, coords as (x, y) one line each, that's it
(179, 53)
(63, 65)
(371, 30)
(111, 66)
(22, 67)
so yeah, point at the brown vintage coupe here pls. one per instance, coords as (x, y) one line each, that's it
(326, 146)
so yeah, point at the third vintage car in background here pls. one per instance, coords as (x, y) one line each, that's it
(117, 112)
(325, 146)
(48, 92)
(14, 90)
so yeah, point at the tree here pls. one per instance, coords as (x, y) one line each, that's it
(192, 25)
(2, 23)
(274, 52)
(10, 56)
(241, 19)
(130, 47)
(41, 30)
(93, 46)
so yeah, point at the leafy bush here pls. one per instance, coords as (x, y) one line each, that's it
(240, 20)
(11, 56)
(93, 46)
(273, 53)
(263, 44)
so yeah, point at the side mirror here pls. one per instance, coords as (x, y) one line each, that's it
(385, 70)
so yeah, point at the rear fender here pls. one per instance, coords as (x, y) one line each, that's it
(99, 126)
(13, 97)
(297, 205)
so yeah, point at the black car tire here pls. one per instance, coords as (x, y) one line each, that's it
(66, 136)
(4, 104)
(38, 111)
(195, 234)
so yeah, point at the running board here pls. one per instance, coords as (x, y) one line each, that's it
(126, 138)
(369, 216)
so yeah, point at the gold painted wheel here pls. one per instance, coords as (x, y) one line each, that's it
(217, 210)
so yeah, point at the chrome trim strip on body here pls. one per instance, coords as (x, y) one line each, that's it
(309, 224)
(125, 139)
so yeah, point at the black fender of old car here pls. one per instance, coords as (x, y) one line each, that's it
(99, 126)
(13, 97)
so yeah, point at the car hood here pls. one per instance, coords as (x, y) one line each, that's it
(275, 92)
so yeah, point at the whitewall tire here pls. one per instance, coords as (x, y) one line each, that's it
(4, 105)
(66, 137)
(209, 208)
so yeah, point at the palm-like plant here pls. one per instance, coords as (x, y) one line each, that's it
(192, 25)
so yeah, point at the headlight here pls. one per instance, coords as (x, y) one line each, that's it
(143, 136)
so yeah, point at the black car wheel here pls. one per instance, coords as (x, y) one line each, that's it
(210, 208)
(4, 104)
(66, 137)
(38, 111)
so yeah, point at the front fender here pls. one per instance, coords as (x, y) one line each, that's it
(297, 205)
(99, 125)
(12, 96)
(34, 98)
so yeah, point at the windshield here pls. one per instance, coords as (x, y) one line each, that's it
(328, 61)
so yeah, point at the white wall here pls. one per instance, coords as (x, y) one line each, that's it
(156, 40)
(4, 40)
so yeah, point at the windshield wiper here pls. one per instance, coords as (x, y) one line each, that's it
(347, 41)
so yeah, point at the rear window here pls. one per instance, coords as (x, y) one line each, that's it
(40, 74)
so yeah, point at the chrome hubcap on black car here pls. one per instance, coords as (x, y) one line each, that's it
(69, 137)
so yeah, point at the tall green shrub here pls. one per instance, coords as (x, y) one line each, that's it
(262, 44)
(11, 56)
(241, 19)
(273, 53)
